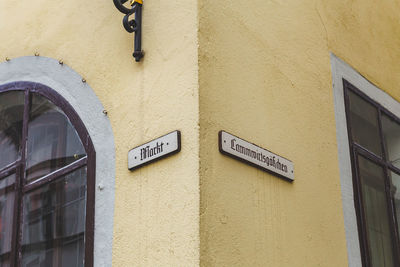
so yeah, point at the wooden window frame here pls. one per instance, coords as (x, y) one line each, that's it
(358, 150)
(19, 168)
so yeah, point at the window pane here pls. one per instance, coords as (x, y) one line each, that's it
(364, 124)
(376, 213)
(391, 133)
(6, 218)
(11, 115)
(396, 194)
(54, 223)
(52, 140)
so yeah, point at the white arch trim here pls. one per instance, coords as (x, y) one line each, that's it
(82, 98)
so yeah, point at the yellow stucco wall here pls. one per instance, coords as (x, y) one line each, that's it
(156, 216)
(265, 75)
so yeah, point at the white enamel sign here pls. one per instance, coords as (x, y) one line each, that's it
(254, 155)
(154, 150)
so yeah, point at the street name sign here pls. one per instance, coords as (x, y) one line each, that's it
(154, 150)
(255, 156)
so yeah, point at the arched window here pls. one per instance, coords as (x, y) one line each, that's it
(47, 179)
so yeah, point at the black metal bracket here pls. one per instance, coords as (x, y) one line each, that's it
(134, 25)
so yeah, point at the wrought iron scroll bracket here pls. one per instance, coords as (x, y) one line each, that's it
(133, 25)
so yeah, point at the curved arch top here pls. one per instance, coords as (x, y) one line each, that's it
(58, 100)
(49, 75)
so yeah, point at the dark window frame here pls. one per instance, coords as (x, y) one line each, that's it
(358, 150)
(18, 167)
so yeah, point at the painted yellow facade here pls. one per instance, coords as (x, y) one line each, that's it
(265, 75)
(259, 69)
(156, 208)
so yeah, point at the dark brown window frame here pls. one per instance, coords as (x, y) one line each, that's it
(18, 167)
(358, 150)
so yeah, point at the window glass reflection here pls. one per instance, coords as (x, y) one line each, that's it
(54, 223)
(364, 124)
(395, 178)
(376, 213)
(6, 218)
(11, 115)
(391, 134)
(52, 140)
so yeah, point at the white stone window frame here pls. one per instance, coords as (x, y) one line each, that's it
(340, 71)
(84, 101)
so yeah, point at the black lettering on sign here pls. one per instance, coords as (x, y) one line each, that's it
(254, 155)
(154, 150)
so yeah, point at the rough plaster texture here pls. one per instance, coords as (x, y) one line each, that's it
(156, 217)
(265, 75)
(69, 85)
